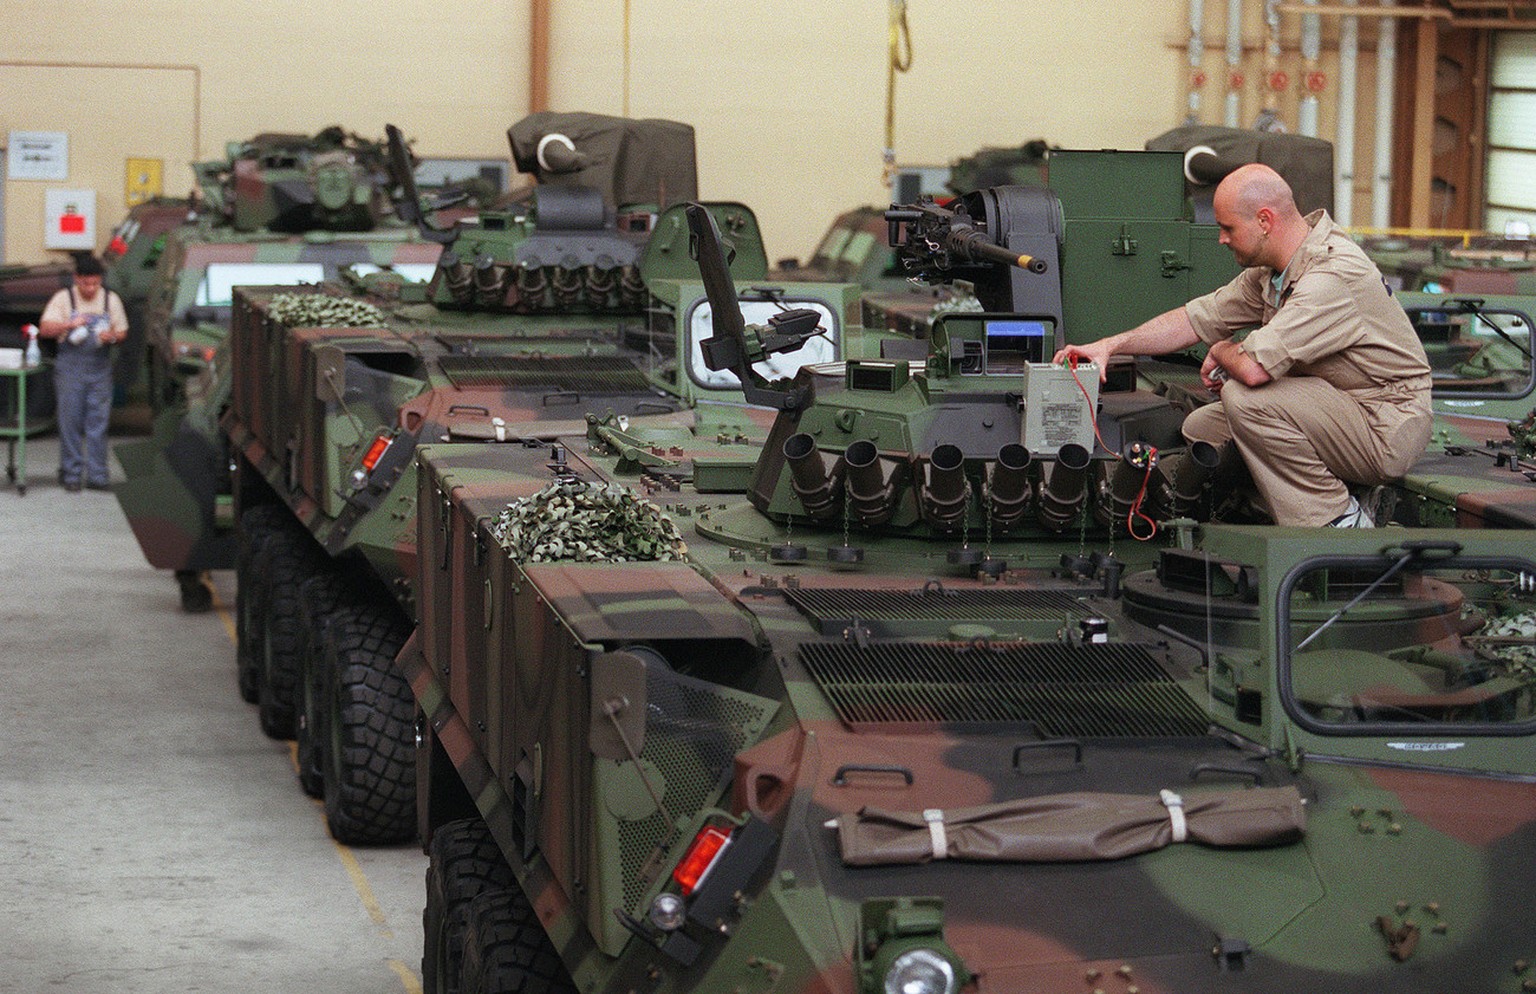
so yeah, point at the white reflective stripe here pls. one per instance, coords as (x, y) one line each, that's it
(935, 819)
(554, 136)
(1175, 805)
(501, 429)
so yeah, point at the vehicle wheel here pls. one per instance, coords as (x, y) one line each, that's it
(320, 597)
(506, 950)
(370, 747)
(465, 863)
(257, 524)
(285, 561)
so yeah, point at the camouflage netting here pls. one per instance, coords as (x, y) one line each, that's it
(1522, 625)
(318, 310)
(585, 523)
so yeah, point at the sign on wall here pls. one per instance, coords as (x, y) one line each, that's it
(39, 155)
(70, 219)
(142, 180)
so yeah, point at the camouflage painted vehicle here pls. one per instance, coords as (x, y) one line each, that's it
(186, 316)
(533, 318)
(1473, 265)
(334, 180)
(968, 680)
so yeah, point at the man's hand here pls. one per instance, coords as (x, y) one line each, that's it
(1212, 375)
(1097, 353)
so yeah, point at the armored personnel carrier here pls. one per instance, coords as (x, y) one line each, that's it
(534, 317)
(279, 209)
(958, 683)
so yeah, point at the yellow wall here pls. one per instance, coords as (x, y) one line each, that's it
(788, 99)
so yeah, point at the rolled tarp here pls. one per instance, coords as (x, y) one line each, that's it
(1072, 827)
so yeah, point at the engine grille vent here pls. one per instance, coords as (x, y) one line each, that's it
(896, 612)
(593, 374)
(1109, 690)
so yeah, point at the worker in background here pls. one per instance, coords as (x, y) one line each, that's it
(1331, 388)
(86, 319)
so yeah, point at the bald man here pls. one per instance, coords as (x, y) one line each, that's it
(1332, 386)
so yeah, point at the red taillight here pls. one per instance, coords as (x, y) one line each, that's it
(117, 246)
(375, 452)
(700, 858)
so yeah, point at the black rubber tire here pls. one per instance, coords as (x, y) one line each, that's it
(321, 596)
(287, 559)
(465, 863)
(506, 950)
(257, 524)
(370, 718)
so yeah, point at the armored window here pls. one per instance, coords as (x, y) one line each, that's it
(822, 348)
(1417, 642)
(414, 272)
(217, 288)
(1475, 349)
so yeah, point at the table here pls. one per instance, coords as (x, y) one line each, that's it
(14, 426)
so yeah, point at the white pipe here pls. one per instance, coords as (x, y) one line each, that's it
(1386, 71)
(1196, 57)
(1234, 61)
(1269, 116)
(1311, 47)
(1344, 134)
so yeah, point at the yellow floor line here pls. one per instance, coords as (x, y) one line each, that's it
(222, 610)
(407, 976)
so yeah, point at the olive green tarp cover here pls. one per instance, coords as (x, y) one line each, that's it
(630, 161)
(1306, 163)
(1072, 827)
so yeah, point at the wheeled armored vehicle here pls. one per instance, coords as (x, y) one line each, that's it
(973, 678)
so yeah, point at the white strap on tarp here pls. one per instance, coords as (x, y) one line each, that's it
(1175, 805)
(935, 819)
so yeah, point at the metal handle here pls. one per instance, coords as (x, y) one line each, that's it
(1073, 744)
(840, 779)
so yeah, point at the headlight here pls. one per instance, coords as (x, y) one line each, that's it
(920, 971)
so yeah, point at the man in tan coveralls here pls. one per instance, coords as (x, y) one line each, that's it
(1333, 385)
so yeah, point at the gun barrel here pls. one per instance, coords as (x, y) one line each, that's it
(973, 244)
(457, 276)
(820, 490)
(1064, 488)
(943, 497)
(870, 495)
(1123, 481)
(1008, 485)
(1182, 476)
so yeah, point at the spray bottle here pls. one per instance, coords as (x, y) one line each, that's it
(31, 357)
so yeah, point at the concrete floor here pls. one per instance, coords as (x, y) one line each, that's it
(151, 837)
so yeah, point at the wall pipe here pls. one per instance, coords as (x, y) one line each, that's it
(1234, 62)
(1311, 49)
(1344, 132)
(1196, 58)
(1275, 80)
(538, 56)
(1386, 74)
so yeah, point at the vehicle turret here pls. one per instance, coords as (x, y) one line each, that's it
(333, 180)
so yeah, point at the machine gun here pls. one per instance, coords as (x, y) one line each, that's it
(1002, 239)
(937, 239)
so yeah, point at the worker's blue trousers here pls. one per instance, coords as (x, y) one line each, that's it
(82, 378)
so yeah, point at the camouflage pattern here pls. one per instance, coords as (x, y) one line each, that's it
(319, 409)
(595, 717)
(187, 314)
(333, 180)
(1475, 265)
